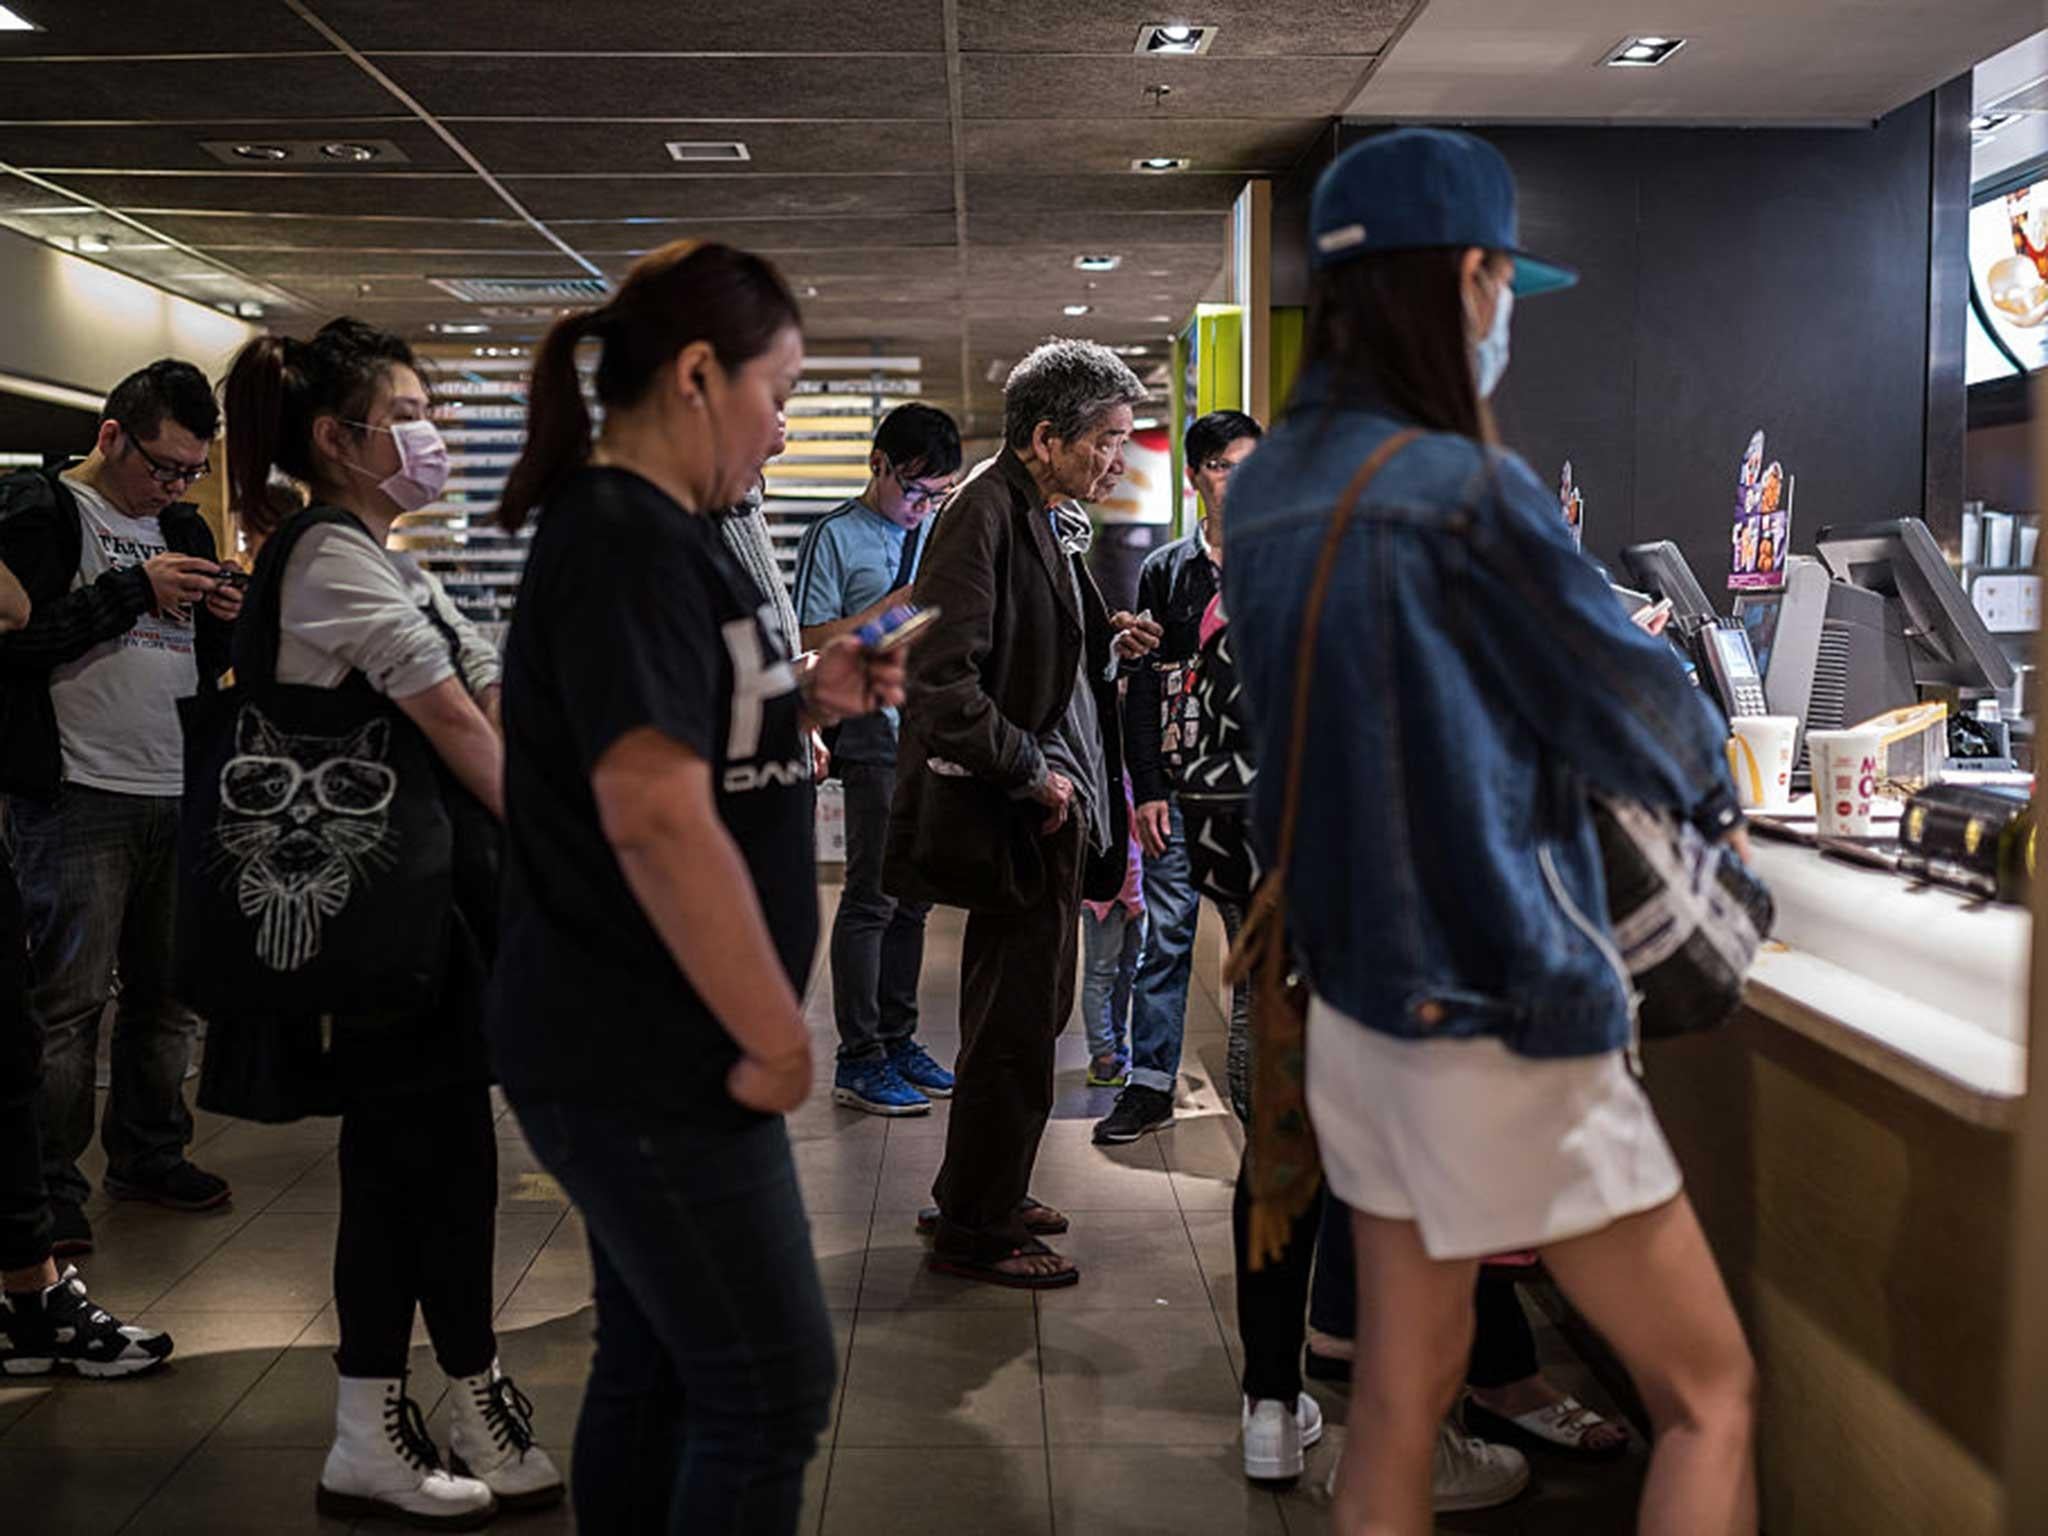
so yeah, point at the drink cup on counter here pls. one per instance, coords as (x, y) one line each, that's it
(1760, 757)
(1847, 768)
(1998, 528)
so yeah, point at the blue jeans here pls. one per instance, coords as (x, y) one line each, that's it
(99, 883)
(877, 941)
(1159, 996)
(715, 1361)
(1110, 948)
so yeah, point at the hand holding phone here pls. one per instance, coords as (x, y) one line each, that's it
(896, 628)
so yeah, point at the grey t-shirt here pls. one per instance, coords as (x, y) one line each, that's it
(117, 705)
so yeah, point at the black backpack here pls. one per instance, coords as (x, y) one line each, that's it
(1216, 781)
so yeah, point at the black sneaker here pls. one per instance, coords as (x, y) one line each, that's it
(70, 1232)
(186, 1187)
(61, 1329)
(1137, 1111)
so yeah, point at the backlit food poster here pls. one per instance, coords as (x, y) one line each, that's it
(1573, 506)
(2009, 261)
(1763, 522)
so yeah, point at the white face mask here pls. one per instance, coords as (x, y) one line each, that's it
(1490, 352)
(422, 471)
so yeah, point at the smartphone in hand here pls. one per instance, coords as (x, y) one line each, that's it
(896, 628)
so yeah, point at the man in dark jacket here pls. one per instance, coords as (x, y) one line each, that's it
(131, 609)
(1176, 585)
(1008, 798)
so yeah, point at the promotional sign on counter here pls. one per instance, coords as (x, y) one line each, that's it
(1573, 506)
(1763, 522)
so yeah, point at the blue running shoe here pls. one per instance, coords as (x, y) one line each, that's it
(877, 1088)
(915, 1065)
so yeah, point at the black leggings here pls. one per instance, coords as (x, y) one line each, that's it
(419, 1216)
(24, 1204)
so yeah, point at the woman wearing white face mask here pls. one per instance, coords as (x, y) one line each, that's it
(347, 417)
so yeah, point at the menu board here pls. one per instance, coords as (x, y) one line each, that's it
(2009, 264)
(1763, 522)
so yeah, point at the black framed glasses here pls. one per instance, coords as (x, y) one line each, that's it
(916, 495)
(1224, 467)
(167, 475)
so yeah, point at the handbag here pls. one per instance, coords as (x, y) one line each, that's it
(315, 847)
(1688, 916)
(1285, 1169)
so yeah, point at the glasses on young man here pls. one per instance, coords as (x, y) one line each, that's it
(1224, 467)
(167, 475)
(915, 495)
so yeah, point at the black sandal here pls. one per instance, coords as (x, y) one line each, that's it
(988, 1272)
(1040, 1220)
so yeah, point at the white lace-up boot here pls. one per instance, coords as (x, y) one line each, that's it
(492, 1441)
(383, 1466)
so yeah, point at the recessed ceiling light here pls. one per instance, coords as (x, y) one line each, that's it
(1174, 37)
(1098, 263)
(10, 22)
(1077, 309)
(730, 151)
(249, 309)
(93, 245)
(353, 152)
(1642, 52)
(457, 328)
(1159, 165)
(263, 152)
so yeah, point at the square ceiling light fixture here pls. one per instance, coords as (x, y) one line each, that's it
(1097, 263)
(1075, 311)
(1174, 37)
(10, 21)
(1642, 52)
(1161, 165)
(729, 152)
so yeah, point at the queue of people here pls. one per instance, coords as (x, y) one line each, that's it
(587, 870)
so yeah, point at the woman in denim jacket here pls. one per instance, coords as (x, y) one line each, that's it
(1471, 1040)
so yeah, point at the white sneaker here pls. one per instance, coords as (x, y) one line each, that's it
(1465, 1473)
(492, 1440)
(383, 1465)
(1275, 1440)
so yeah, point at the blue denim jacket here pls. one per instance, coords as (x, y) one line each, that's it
(1474, 676)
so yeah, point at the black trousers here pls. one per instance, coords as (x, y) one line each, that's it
(419, 1217)
(1016, 993)
(877, 941)
(24, 1202)
(1272, 1302)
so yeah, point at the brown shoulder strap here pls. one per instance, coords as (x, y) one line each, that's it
(1305, 651)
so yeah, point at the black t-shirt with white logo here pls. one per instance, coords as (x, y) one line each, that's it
(631, 615)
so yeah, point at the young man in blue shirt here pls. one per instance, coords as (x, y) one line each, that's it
(854, 564)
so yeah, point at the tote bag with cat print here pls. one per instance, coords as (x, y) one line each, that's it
(314, 844)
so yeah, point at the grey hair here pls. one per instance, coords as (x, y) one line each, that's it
(1070, 386)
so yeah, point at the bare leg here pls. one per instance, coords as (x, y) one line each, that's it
(1650, 1285)
(37, 1277)
(1414, 1335)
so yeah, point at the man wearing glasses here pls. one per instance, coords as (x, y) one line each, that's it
(1176, 585)
(131, 607)
(856, 563)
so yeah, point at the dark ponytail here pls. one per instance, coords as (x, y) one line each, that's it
(1389, 329)
(686, 292)
(274, 392)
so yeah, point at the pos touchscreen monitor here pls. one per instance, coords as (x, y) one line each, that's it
(1662, 568)
(1946, 638)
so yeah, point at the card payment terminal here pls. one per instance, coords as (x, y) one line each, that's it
(1724, 655)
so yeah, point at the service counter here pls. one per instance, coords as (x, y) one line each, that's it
(1849, 1143)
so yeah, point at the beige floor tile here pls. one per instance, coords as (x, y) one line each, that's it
(1108, 1185)
(141, 1251)
(549, 1355)
(292, 1406)
(230, 1490)
(1216, 1253)
(1158, 1377)
(897, 1278)
(938, 1492)
(558, 1280)
(1159, 1491)
(839, 1178)
(79, 1488)
(840, 1243)
(1131, 1260)
(934, 1378)
(521, 1236)
(274, 1263)
(1204, 1152)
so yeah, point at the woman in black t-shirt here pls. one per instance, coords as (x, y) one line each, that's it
(660, 908)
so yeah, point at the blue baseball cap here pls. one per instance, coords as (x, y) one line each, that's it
(1419, 188)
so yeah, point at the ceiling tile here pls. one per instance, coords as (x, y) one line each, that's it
(1030, 85)
(771, 26)
(613, 244)
(1266, 28)
(391, 192)
(340, 264)
(537, 148)
(920, 265)
(162, 26)
(178, 146)
(187, 90)
(1128, 193)
(230, 231)
(733, 197)
(500, 85)
(1094, 231)
(1106, 145)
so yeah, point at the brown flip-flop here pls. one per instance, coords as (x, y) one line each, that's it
(989, 1272)
(1040, 1220)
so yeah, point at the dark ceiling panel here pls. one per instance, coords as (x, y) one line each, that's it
(231, 231)
(613, 244)
(1128, 193)
(919, 265)
(341, 264)
(187, 90)
(1076, 145)
(537, 148)
(1267, 28)
(497, 85)
(1044, 85)
(178, 146)
(638, 26)
(912, 198)
(367, 193)
(1094, 231)
(103, 27)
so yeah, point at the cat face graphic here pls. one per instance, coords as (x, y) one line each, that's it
(303, 821)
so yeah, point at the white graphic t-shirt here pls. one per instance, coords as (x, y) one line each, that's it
(117, 705)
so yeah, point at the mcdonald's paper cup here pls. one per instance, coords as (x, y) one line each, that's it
(1847, 768)
(1760, 757)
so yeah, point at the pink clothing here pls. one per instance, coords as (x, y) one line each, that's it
(1132, 897)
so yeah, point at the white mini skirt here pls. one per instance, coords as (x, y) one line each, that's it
(1485, 1151)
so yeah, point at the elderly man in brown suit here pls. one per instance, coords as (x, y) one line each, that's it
(1009, 800)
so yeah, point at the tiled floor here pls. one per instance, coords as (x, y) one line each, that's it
(1110, 1408)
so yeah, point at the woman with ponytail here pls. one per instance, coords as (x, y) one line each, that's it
(347, 419)
(661, 908)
